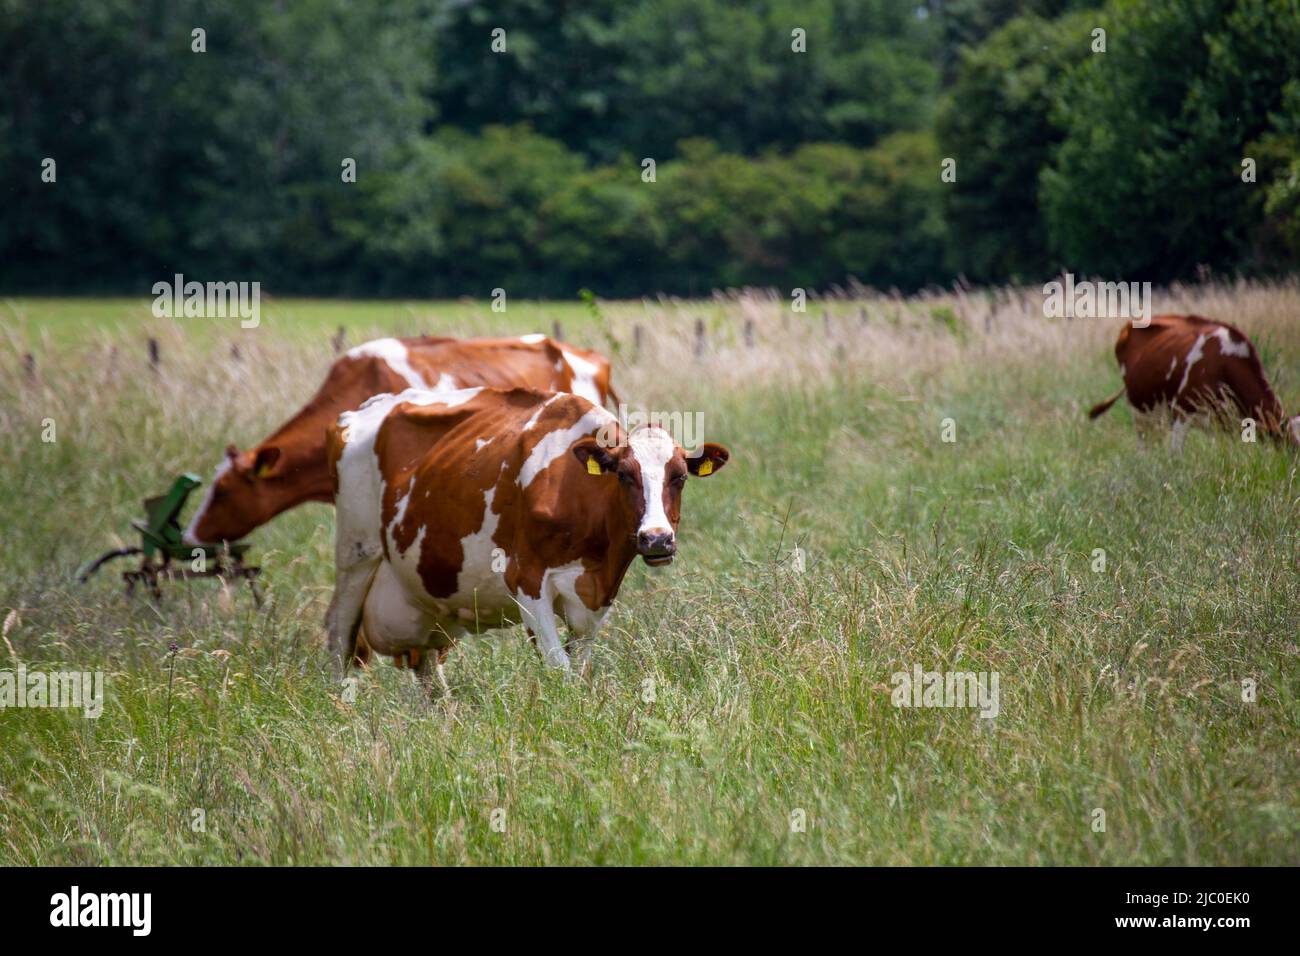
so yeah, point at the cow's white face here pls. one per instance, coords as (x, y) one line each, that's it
(651, 470)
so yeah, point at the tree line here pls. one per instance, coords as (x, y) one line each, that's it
(439, 148)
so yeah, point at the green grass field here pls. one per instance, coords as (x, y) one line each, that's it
(734, 692)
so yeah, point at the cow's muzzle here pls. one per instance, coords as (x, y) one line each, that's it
(656, 547)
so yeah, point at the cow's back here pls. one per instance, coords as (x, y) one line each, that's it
(531, 361)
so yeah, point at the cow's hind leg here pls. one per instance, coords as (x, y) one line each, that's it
(431, 669)
(351, 585)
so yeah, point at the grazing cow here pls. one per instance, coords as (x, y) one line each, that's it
(1194, 364)
(481, 508)
(289, 467)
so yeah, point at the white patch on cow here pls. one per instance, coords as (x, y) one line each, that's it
(532, 338)
(1194, 356)
(559, 585)
(584, 377)
(538, 414)
(1173, 364)
(581, 619)
(477, 584)
(557, 443)
(394, 354)
(446, 383)
(360, 484)
(1228, 347)
(188, 535)
(409, 560)
(653, 448)
(481, 443)
(375, 409)
(398, 517)
(358, 531)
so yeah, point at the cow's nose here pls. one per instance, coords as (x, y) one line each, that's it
(656, 542)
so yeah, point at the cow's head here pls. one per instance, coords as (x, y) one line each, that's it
(244, 494)
(651, 470)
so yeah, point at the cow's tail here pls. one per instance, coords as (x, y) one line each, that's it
(1101, 408)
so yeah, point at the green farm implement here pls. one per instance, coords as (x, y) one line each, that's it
(165, 554)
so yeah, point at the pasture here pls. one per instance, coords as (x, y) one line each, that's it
(740, 689)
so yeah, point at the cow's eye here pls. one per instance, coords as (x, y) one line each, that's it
(679, 480)
(625, 477)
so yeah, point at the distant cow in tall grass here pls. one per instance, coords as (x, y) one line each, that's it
(1192, 364)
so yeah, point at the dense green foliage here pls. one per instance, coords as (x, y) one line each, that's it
(997, 124)
(1162, 125)
(523, 168)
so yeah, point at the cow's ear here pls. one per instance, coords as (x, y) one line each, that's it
(596, 459)
(264, 461)
(707, 460)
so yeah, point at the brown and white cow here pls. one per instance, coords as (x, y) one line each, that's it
(482, 508)
(288, 468)
(1193, 364)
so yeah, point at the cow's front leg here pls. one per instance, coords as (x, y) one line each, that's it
(580, 653)
(552, 649)
(548, 643)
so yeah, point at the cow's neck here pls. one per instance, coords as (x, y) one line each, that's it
(303, 470)
(617, 543)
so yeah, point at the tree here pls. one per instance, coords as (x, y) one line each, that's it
(996, 123)
(1147, 181)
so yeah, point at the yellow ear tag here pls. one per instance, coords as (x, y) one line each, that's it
(593, 467)
(264, 471)
(706, 468)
